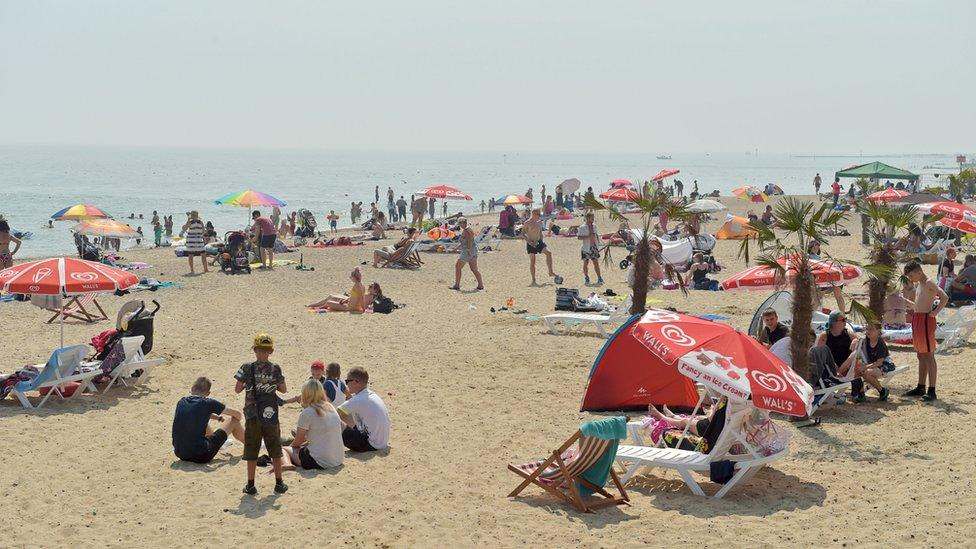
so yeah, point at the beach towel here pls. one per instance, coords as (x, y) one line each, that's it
(614, 429)
(276, 263)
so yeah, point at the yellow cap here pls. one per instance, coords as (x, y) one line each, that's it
(263, 341)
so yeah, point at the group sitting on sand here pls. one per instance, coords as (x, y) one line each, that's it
(335, 415)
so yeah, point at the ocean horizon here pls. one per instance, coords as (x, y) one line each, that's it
(38, 180)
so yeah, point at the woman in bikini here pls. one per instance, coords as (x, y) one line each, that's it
(353, 303)
(7, 256)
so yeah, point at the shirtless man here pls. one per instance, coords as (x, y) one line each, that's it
(532, 233)
(923, 328)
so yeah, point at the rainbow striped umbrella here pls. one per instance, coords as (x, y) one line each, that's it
(106, 227)
(80, 212)
(249, 199)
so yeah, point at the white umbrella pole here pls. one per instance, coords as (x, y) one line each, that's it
(62, 323)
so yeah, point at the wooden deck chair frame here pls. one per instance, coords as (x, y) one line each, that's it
(75, 309)
(407, 256)
(565, 488)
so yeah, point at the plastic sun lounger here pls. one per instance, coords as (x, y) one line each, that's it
(134, 361)
(57, 374)
(600, 321)
(685, 462)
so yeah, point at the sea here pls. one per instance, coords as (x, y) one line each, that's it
(37, 181)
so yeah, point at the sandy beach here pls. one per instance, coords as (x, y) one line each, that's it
(469, 391)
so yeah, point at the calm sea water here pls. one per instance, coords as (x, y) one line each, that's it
(35, 182)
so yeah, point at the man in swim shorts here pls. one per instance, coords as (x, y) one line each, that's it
(266, 234)
(923, 328)
(532, 233)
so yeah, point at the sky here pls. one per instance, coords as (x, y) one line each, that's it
(797, 76)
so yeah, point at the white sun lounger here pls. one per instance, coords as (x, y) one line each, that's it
(685, 462)
(600, 321)
(957, 328)
(134, 361)
(56, 375)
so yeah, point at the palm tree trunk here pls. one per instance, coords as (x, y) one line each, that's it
(878, 287)
(801, 338)
(642, 267)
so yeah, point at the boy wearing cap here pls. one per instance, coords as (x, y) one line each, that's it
(262, 379)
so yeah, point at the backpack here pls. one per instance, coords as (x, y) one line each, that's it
(568, 299)
(383, 305)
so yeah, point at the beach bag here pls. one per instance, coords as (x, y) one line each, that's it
(721, 472)
(383, 305)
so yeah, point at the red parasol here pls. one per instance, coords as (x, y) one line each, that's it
(665, 173)
(825, 273)
(886, 195)
(620, 195)
(953, 210)
(64, 276)
(444, 191)
(619, 183)
(725, 360)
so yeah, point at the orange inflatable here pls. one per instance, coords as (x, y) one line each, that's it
(438, 233)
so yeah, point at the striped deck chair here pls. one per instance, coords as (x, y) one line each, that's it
(76, 307)
(562, 473)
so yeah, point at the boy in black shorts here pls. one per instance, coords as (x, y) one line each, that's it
(262, 379)
(193, 440)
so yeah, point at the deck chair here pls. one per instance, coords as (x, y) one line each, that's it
(579, 467)
(135, 361)
(600, 321)
(76, 307)
(635, 457)
(406, 257)
(56, 374)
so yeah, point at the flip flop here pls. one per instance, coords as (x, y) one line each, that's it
(809, 422)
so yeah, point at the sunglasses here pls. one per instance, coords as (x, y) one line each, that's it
(350, 380)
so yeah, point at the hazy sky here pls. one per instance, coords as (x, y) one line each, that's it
(636, 76)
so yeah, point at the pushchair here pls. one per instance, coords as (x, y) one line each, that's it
(306, 224)
(135, 320)
(234, 258)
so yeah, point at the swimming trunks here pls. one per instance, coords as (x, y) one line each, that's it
(923, 332)
(538, 248)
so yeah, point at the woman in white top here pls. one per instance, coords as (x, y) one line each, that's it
(318, 440)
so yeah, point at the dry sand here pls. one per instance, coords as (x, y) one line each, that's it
(469, 391)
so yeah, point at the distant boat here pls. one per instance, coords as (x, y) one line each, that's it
(664, 157)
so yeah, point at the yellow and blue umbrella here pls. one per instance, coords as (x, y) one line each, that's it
(80, 212)
(752, 194)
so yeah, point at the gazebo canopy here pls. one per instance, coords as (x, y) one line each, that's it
(877, 170)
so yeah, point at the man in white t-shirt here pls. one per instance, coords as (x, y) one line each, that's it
(365, 415)
(590, 249)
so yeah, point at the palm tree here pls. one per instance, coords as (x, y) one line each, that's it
(802, 224)
(649, 206)
(885, 221)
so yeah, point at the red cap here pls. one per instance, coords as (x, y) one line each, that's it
(318, 365)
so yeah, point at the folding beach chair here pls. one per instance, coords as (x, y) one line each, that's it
(76, 307)
(571, 467)
(406, 257)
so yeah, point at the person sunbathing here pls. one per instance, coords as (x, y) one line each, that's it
(353, 303)
(670, 427)
(386, 252)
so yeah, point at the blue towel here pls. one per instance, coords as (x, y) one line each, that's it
(614, 428)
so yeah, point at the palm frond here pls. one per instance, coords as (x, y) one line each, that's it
(862, 312)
